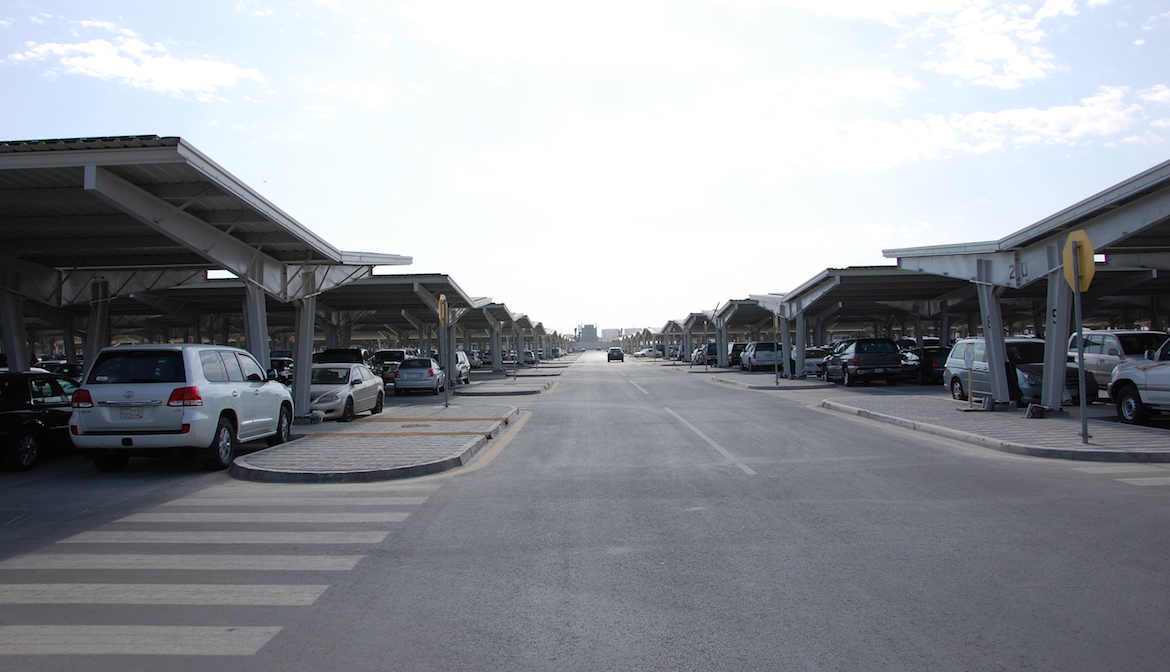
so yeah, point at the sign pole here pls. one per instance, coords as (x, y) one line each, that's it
(1076, 259)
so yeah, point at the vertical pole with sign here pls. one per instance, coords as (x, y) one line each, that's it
(445, 345)
(1078, 271)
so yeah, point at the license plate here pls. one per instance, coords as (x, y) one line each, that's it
(130, 412)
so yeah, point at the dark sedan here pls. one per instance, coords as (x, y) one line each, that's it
(34, 413)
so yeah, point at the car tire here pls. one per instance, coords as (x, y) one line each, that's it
(111, 462)
(1130, 408)
(283, 427)
(223, 447)
(435, 390)
(956, 387)
(347, 413)
(23, 453)
(846, 379)
(378, 405)
(891, 381)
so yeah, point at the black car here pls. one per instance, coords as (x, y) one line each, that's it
(615, 353)
(34, 413)
(924, 365)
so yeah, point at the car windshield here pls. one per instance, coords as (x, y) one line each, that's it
(416, 364)
(331, 375)
(872, 347)
(1030, 352)
(141, 366)
(390, 356)
(1136, 344)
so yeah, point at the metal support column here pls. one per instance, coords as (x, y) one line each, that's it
(256, 322)
(1057, 329)
(993, 337)
(306, 315)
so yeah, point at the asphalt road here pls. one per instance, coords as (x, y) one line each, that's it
(638, 518)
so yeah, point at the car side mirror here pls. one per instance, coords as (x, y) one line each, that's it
(1149, 354)
(1114, 352)
(271, 373)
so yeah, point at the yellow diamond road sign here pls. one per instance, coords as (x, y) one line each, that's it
(1084, 253)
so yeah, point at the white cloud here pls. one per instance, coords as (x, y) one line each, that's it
(602, 34)
(131, 61)
(371, 95)
(890, 12)
(1156, 94)
(996, 46)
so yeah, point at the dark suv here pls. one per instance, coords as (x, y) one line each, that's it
(864, 360)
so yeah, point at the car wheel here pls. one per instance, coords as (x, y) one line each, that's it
(23, 452)
(223, 447)
(957, 390)
(891, 381)
(283, 427)
(111, 462)
(435, 390)
(825, 374)
(347, 413)
(1130, 408)
(378, 405)
(847, 379)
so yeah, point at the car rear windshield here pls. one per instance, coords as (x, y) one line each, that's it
(873, 347)
(416, 364)
(390, 356)
(138, 366)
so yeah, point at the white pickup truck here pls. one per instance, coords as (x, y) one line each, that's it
(1142, 386)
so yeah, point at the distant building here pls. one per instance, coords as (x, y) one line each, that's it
(588, 334)
(611, 334)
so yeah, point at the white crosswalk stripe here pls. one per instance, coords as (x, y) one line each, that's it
(1151, 474)
(224, 516)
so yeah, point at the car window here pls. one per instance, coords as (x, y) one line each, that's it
(1025, 353)
(415, 364)
(68, 387)
(43, 391)
(980, 350)
(330, 375)
(1136, 344)
(251, 368)
(213, 369)
(232, 366)
(138, 366)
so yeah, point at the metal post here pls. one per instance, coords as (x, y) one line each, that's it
(1076, 257)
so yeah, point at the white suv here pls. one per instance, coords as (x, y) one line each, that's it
(189, 397)
(1142, 386)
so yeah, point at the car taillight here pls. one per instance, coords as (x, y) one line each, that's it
(430, 373)
(396, 375)
(856, 361)
(185, 396)
(82, 399)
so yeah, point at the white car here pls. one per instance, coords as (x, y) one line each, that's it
(179, 397)
(341, 391)
(1142, 386)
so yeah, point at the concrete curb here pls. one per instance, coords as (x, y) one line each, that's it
(242, 470)
(498, 392)
(1091, 455)
(785, 384)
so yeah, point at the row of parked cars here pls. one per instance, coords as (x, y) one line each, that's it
(196, 399)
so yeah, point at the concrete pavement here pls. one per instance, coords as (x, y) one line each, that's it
(418, 439)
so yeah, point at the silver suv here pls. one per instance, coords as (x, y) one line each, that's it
(183, 397)
(1142, 386)
(1105, 349)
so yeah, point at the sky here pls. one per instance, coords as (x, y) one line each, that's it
(619, 163)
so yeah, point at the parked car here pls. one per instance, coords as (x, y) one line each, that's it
(830, 352)
(529, 358)
(865, 359)
(190, 397)
(1141, 387)
(462, 368)
(760, 355)
(615, 353)
(646, 352)
(1105, 349)
(62, 367)
(705, 354)
(343, 390)
(34, 414)
(734, 352)
(1026, 357)
(814, 362)
(419, 373)
(474, 359)
(283, 367)
(486, 357)
(386, 362)
(924, 365)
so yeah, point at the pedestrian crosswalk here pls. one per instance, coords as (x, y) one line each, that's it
(195, 551)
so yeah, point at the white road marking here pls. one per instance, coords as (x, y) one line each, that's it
(1119, 468)
(221, 537)
(1156, 480)
(639, 387)
(297, 563)
(722, 451)
(247, 489)
(265, 517)
(158, 593)
(297, 501)
(96, 640)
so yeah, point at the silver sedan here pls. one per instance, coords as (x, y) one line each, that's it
(419, 373)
